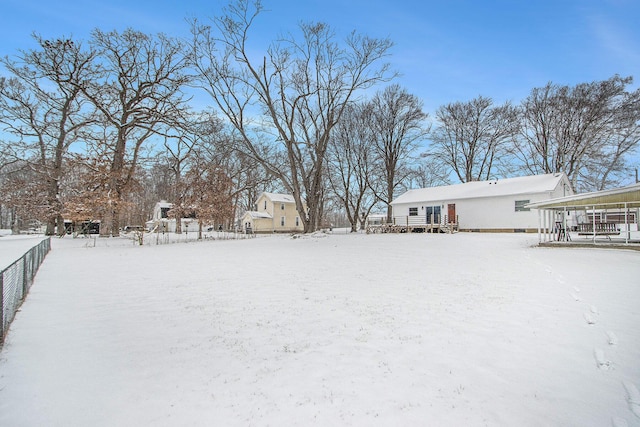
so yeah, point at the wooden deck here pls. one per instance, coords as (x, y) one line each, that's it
(413, 224)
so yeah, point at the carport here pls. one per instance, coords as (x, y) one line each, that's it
(585, 215)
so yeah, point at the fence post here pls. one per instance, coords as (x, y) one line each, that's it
(25, 272)
(2, 307)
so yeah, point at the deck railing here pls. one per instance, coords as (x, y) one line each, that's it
(411, 223)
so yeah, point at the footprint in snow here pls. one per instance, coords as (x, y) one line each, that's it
(575, 297)
(593, 309)
(613, 339)
(633, 397)
(589, 318)
(577, 289)
(602, 363)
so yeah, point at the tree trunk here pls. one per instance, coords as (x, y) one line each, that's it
(115, 220)
(179, 216)
(60, 226)
(15, 229)
(391, 176)
(105, 223)
(50, 229)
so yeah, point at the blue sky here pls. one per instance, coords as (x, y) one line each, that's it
(446, 51)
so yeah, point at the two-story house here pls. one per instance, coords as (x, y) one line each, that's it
(274, 213)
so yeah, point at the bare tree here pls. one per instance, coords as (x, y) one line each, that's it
(351, 161)
(250, 179)
(246, 174)
(398, 123)
(178, 150)
(608, 167)
(139, 90)
(22, 192)
(285, 104)
(473, 137)
(41, 105)
(430, 173)
(585, 131)
(86, 188)
(208, 193)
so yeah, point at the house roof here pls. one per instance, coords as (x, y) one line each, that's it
(257, 215)
(476, 189)
(281, 198)
(616, 198)
(164, 204)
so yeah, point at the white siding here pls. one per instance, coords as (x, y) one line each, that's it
(486, 212)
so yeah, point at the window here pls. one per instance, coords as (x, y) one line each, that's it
(619, 217)
(281, 206)
(164, 212)
(282, 221)
(598, 217)
(265, 205)
(413, 211)
(297, 221)
(520, 206)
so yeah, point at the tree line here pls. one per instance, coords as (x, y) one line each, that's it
(104, 128)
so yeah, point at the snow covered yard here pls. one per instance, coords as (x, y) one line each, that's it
(13, 247)
(447, 330)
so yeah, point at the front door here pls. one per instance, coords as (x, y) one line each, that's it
(451, 213)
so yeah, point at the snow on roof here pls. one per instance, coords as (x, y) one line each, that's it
(628, 197)
(476, 189)
(258, 215)
(278, 197)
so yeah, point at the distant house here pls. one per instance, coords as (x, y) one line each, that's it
(498, 205)
(274, 213)
(161, 222)
(82, 227)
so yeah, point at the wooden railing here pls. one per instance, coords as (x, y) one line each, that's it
(415, 223)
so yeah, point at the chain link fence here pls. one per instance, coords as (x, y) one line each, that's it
(16, 280)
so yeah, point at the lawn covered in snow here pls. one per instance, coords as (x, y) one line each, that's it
(12, 247)
(385, 330)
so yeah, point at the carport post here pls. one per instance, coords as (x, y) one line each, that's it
(626, 223)
(539, 225)
(594, 224)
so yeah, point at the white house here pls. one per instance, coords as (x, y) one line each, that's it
(161, 222)
(497, 205)
(274, 213)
